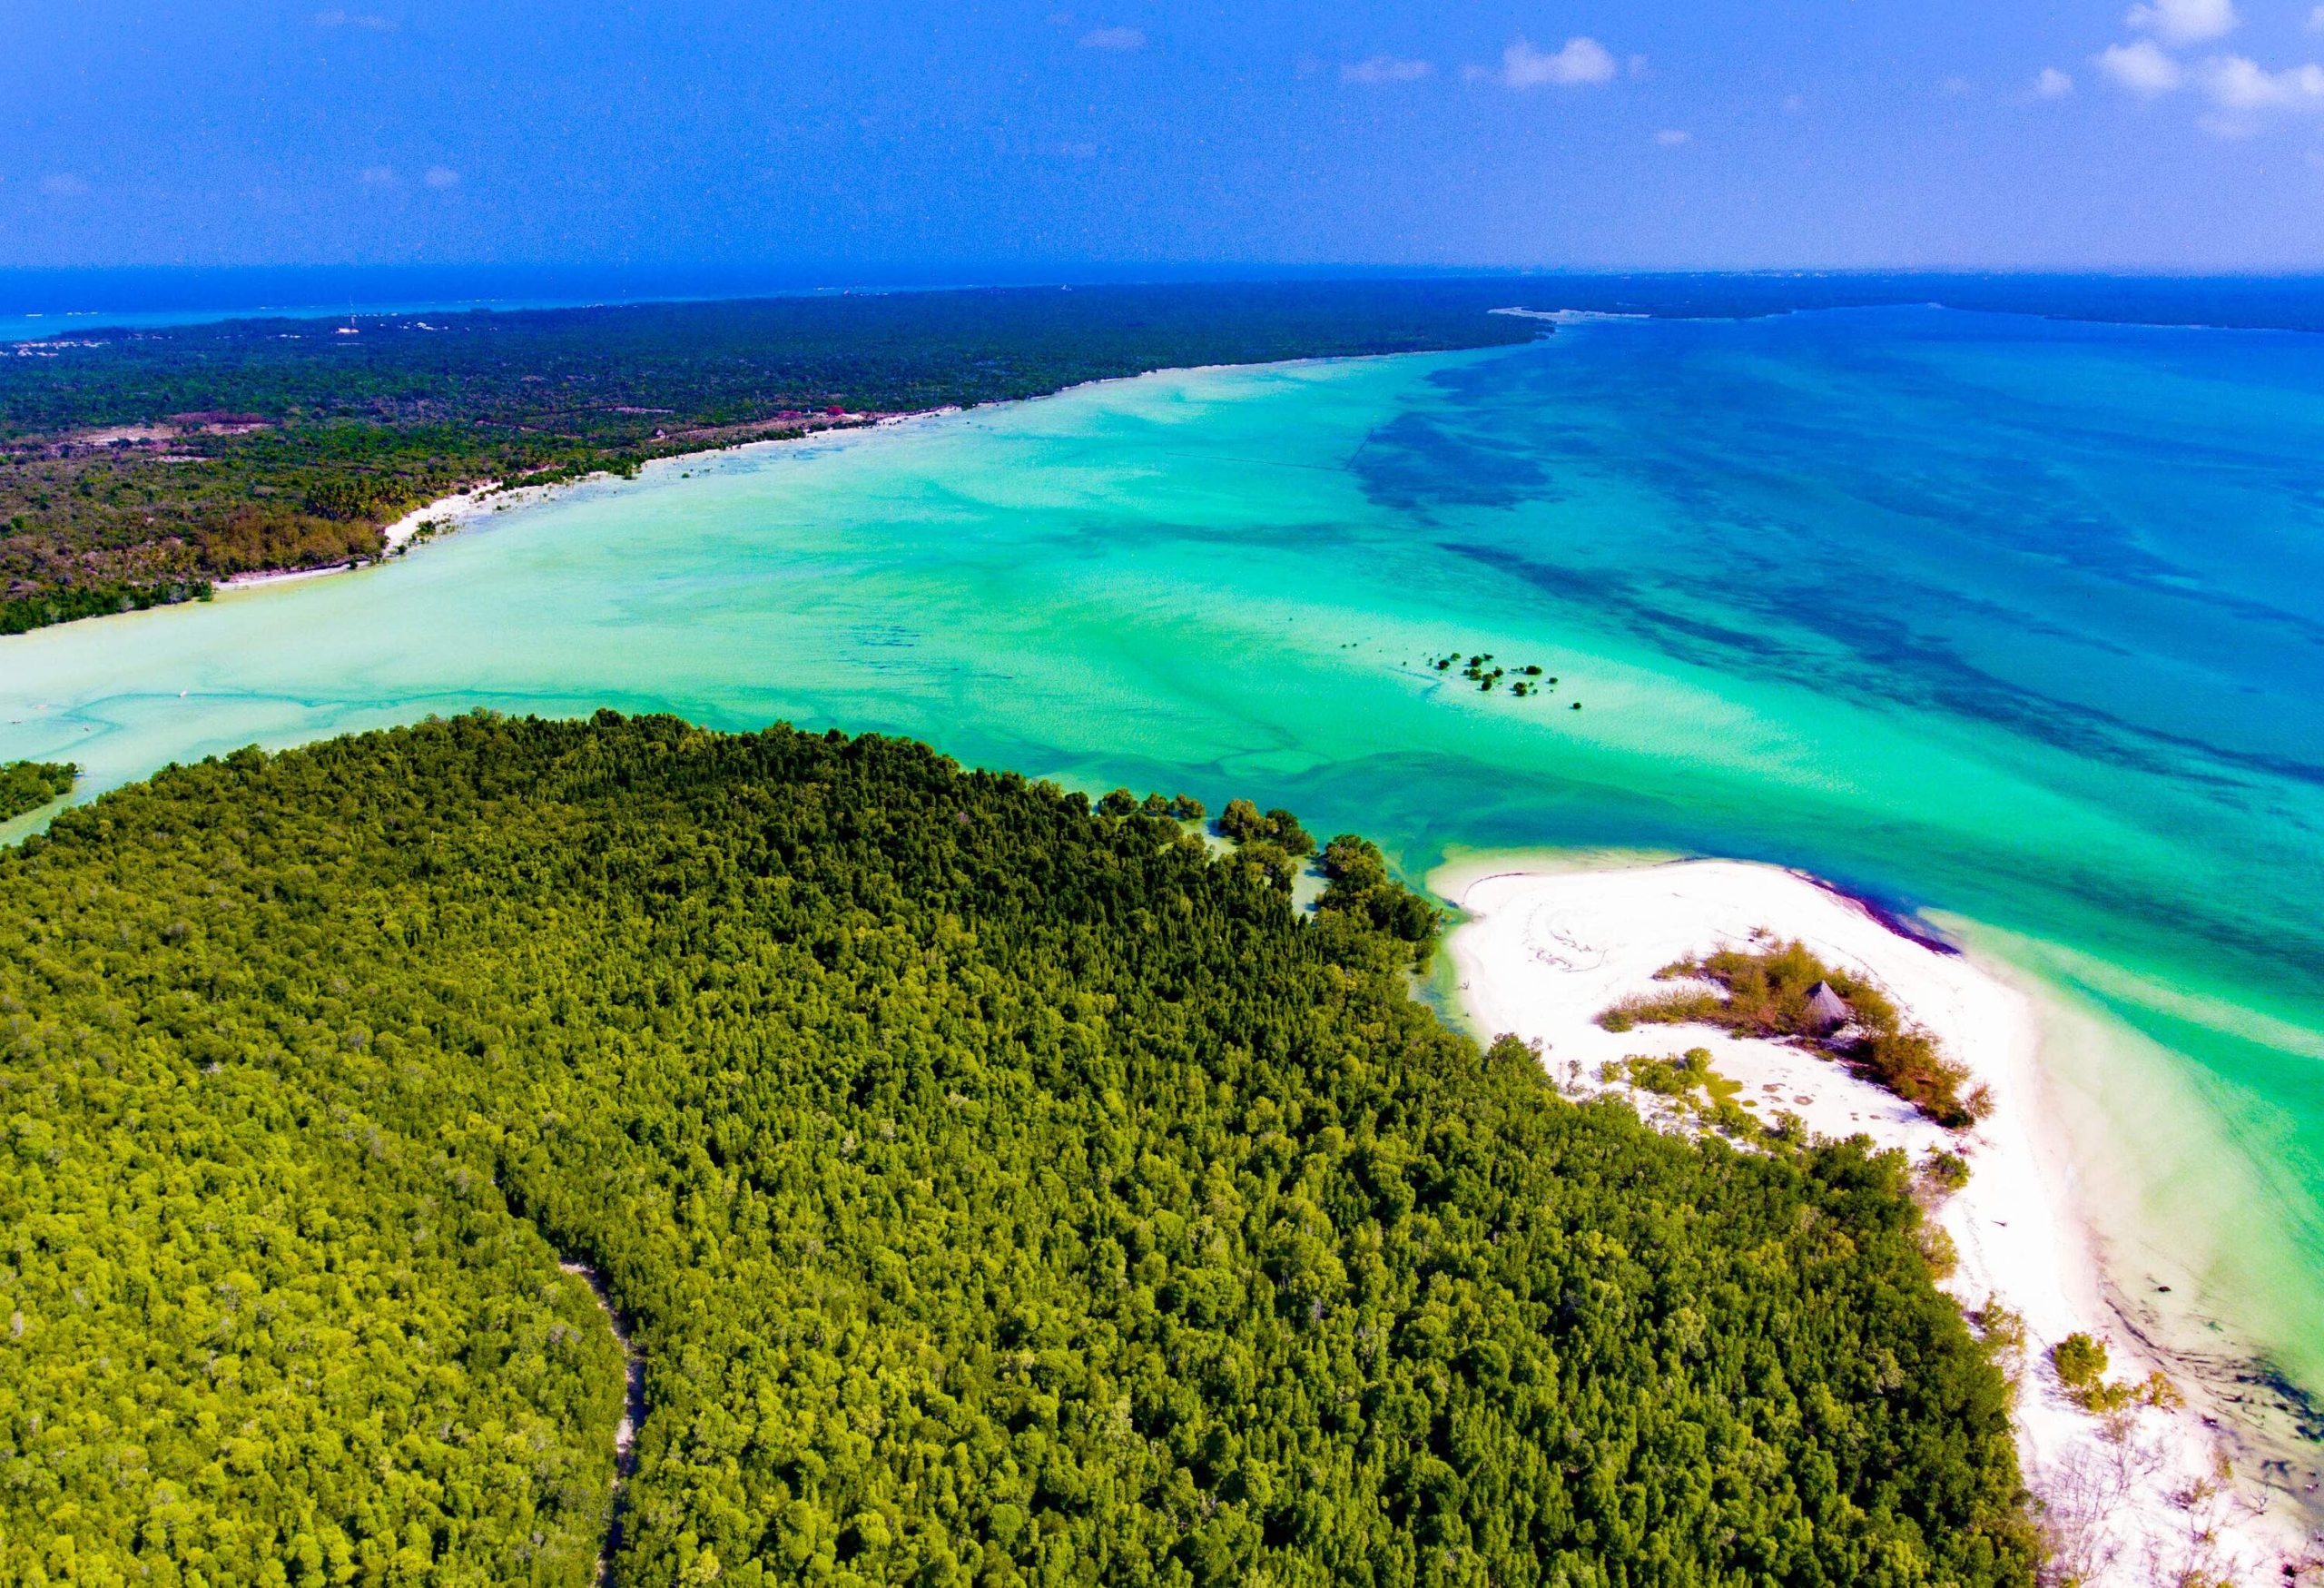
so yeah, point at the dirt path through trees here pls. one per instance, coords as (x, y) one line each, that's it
(633, 1414)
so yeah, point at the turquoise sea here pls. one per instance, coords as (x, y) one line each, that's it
(2015, 623)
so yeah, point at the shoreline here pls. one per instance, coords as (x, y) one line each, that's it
(460, 508)
(477, 499)
(2135, 1498)
(481, 498)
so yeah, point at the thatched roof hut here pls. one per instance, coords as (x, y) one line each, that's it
(1827, 1011)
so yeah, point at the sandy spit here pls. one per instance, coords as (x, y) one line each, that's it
(2138, 1499)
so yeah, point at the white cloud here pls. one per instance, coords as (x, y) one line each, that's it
(1672, 137)
(354, 19)
(1954, 87)
(1582, 61)
(2140, 67)
(2237, 84)
(2316, 20)
(2184, 22)
(376, 176)
(64, 184)
(442, 176)
(2053, 84)
(1793, 104)
(1117, 39)
(1078, 150)
(1385, 69)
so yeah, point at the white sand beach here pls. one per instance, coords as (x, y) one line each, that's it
(2136, 1499)
(465, 506)
(450, 512)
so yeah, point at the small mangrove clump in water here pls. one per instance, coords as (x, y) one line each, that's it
(1786, 992)
(1479, 670)
(1246, 823)
(428, 529)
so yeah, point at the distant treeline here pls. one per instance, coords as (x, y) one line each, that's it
(137, 466)
(1002, 1192)
(2240, 302)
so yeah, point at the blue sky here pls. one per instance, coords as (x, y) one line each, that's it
(2175, 134)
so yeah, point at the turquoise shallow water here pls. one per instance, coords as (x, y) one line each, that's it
(2015, 623)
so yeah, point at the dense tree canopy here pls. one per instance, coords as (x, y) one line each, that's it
(1000, 1191)
(27, 785)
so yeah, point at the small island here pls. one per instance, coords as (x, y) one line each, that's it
(1481, 670)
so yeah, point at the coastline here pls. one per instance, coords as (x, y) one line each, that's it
(482, 498)
(2133, 1498)
(478, 499)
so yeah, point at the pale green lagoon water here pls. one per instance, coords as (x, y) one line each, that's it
(2017, 624)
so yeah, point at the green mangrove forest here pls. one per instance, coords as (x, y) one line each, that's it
(27, 785)
(997, 1190)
